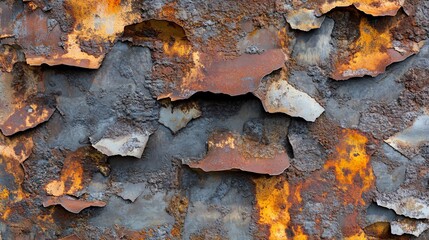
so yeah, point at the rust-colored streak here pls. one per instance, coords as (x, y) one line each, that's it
(228, 151)
(372, 51)
(71, 204)
(233, 77)
(25, 118)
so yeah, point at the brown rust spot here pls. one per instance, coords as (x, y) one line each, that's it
(8, 57)
(228, 151)
(71, 204)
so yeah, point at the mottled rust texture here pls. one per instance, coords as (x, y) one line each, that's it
(224, 119)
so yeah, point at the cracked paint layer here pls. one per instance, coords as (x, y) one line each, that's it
(177, 117)
(410, 140)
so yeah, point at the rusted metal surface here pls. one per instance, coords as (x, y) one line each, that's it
(214, 119)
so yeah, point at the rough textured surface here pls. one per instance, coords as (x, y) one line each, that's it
(224, 119)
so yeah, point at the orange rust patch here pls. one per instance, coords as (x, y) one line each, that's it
(227, 151)
(16, 148)
(273, 205)
(277, 199)
(352, 166)
(8, 57)
(73, 175)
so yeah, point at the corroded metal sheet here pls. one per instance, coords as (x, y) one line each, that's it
(256, 140)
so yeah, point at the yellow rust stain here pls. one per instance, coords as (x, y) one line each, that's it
(358, 236)
(352, 166)
(229, 141)
(71, 179)
(276, 199)
(272, 202)
(299, 233)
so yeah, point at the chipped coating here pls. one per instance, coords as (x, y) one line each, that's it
(129, 145)
(283, 97)
(71, 204)
(25, 118)
(228, 151)
(233, 77)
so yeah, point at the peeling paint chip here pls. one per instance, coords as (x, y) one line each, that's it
(304, 19)
(176, 118)
(411, 139)
(25, 118)
(283, 97)
(409, 206)
(228, 151)
(132, 144)
(408, 226)
(71, 204)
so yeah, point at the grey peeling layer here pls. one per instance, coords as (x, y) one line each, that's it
(411, 206)
(176, 118)
(304, 19)
(283, 97)
(132, 144)
(408, 226)
(411, 139)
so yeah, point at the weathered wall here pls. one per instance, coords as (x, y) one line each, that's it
(182, 119)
